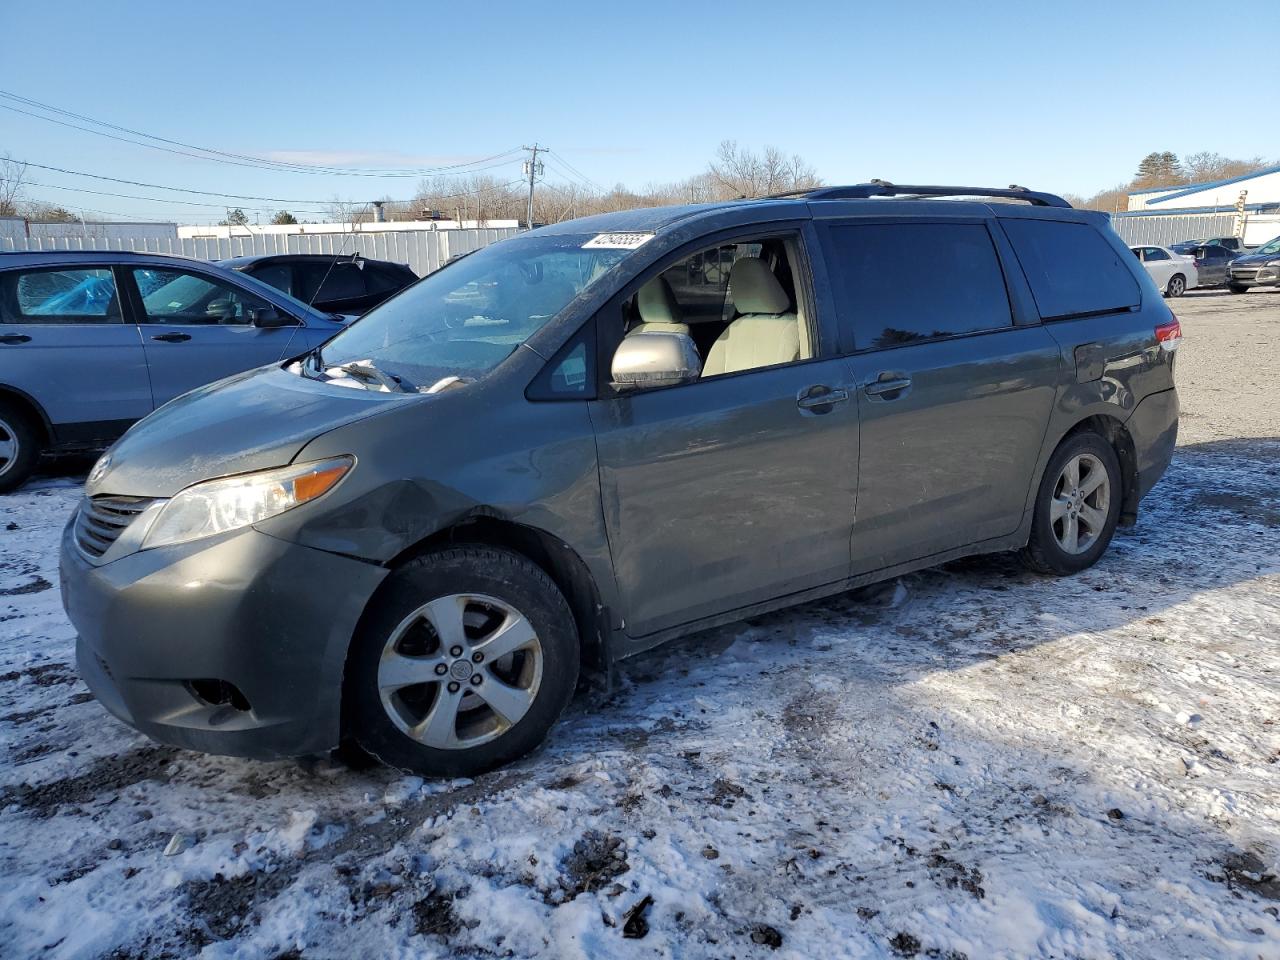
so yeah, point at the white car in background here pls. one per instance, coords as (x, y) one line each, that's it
(1174, 273)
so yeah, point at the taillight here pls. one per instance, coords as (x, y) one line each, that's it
(1169, 335)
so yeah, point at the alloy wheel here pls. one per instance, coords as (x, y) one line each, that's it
(8, 446)
(460, 671)
(1081, 502)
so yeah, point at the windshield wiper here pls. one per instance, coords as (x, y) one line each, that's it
(366, 372)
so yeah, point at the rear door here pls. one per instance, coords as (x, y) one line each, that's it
(198, 327)
(65, 343)
(954, 394)
(1159, 264)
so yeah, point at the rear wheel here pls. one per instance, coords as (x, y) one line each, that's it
(1077, 507)
(1237, 288)
(1177, 286)
(468, 659)
(19, 446)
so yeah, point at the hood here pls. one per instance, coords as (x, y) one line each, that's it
(1254, 259)
(252, 421)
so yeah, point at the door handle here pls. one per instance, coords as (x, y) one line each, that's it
(13, 339)
(887, 386)
(172, 337)
(819, 396)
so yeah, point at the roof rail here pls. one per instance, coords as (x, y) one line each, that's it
(882, 188)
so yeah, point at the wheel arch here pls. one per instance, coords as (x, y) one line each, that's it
(29, 403)
(556, 558)
(1113, 430)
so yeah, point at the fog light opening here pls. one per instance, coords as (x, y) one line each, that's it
(219, 693)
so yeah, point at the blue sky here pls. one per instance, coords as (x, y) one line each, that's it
(1064, 96)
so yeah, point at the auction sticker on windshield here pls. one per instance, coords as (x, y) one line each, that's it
(617, 241)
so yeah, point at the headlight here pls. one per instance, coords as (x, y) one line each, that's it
(217, 506)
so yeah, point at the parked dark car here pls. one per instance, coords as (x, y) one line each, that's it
(1186, 246)
(92, 341)
(334, 284)
(1258, 268)
(1211, 264)
(591, 438)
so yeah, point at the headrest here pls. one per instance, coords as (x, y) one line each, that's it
(657, 304)
(755, 289)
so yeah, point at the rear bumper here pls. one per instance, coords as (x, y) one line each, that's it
(1154, 429)
(273, 618)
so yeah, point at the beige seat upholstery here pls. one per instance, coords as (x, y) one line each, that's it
(659, 310)
(767, 333)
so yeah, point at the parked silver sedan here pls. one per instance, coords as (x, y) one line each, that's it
(1174, 273)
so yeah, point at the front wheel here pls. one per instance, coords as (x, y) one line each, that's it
(1237, 288)
(1077, 507)
(467, 660)
(1177, 286)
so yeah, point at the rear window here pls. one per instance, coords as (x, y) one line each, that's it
(902, 283)
(1071, 268)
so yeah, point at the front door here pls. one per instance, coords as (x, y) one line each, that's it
(954, 397)
(65, 343)
(197, 328)
(738, 488)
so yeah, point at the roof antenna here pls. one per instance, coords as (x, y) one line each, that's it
(1014, 186)
(881, 183)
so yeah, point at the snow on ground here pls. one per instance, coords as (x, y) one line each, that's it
(971, 762)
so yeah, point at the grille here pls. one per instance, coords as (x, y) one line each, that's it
(101, 520)
(1244, 273)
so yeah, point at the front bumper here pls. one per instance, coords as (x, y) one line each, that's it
(1154, 429)
(1254, 276)
(272, 618)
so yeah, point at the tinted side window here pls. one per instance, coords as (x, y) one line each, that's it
(59, 296)
(339, 281)
(381, 278)
(1155, 253)
(905, 282)
(1071, 268)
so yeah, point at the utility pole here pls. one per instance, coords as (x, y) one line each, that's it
(532, 169)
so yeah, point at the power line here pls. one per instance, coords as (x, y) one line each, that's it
(210, 193)
(238, 159)
(561, 158)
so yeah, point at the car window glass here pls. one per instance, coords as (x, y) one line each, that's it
(732, 333)
(341, 280)
(906, 282)
(1155, 253)
(380, 278)
(1071, 268)
(179, 297)
(59, 297)
(278, 275)
(467, 319)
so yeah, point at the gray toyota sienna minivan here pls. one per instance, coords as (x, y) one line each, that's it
(580, 442)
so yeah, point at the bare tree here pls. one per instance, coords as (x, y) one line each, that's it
(12, 173)
(739, 171)
(1204, 166)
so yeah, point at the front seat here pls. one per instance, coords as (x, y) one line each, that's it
(766, 333)
(659, 310)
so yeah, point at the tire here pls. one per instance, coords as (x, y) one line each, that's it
(1237, 288)
(20, 446)
(1049, 549)
(406, 664)
(1177, 286)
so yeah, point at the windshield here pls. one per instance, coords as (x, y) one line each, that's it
(1271, 247)
(466, 319)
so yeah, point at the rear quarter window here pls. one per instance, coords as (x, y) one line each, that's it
(1071, 268)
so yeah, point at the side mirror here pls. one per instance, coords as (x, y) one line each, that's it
(268, 318)
(655, 360)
